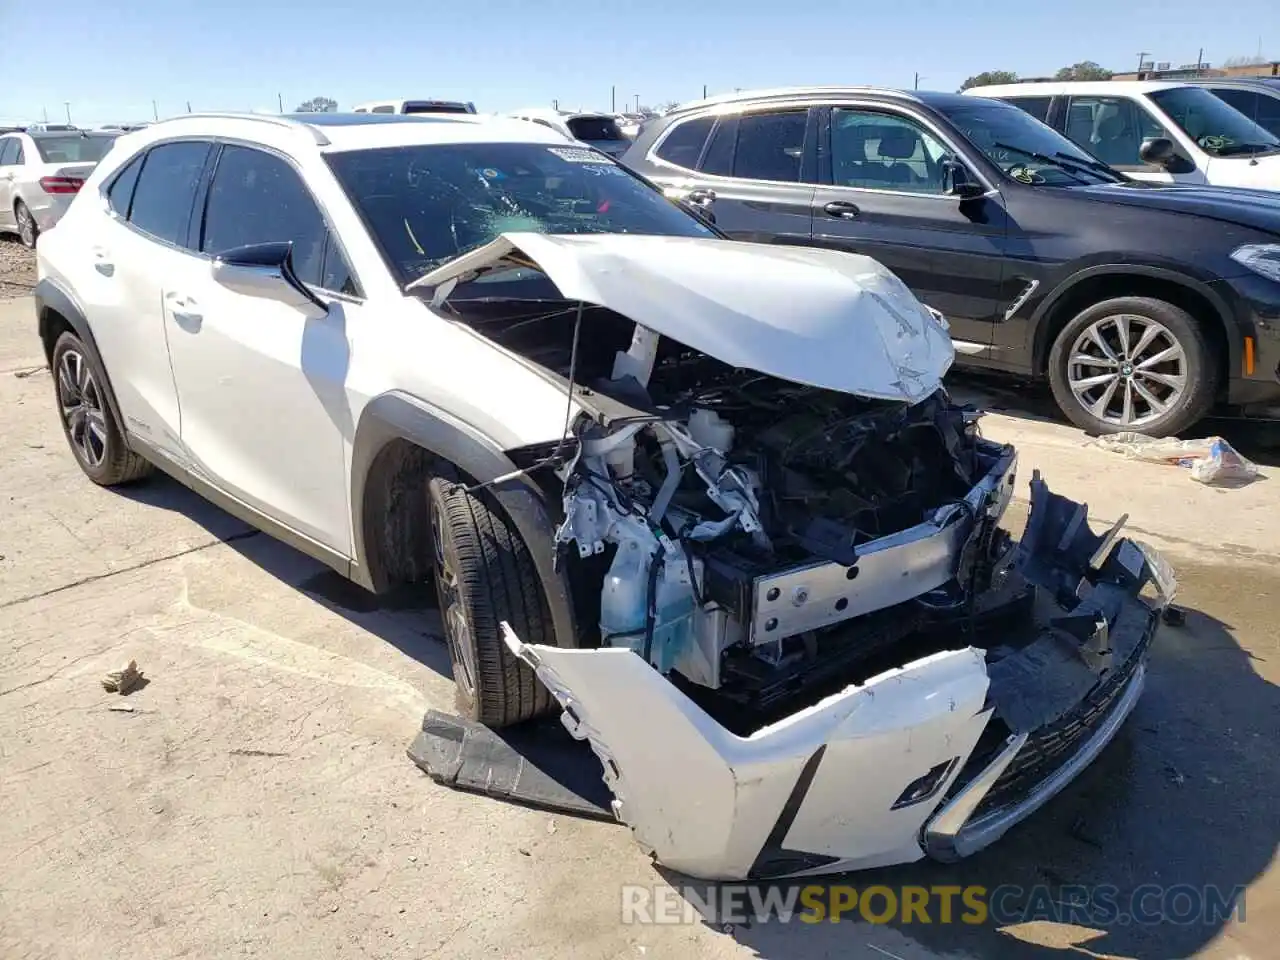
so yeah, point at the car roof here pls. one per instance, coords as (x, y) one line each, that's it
(1253, 83)
(63, 134)
(1117, 88)
(332, 132)
(795, 93)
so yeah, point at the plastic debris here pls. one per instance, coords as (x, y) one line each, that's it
(123, 681)
(1210, 459)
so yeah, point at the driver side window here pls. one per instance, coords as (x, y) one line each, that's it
(883, 151)
(1112, 129)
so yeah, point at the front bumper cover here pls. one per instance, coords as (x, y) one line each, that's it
(899, 766)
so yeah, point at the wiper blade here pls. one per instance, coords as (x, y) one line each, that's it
(1234, 148)
(1087, 162)
(1068, 168)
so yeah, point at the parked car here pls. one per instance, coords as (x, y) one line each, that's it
(1141, 304)
(40, 173)
(415, 106)
(642, 463)
(599, 130)
(1259, 99)
(1153, 130)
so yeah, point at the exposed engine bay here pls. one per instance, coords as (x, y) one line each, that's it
(753, 536)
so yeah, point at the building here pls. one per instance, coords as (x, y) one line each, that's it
(1164, 70)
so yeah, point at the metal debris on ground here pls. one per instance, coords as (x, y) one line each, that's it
(1212, 460)
(123, 681)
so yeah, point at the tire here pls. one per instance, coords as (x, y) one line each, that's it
(1125, 337)
(28, 229)
(484, 575)
(95, 438)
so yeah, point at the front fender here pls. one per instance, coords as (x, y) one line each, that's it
(399, 416)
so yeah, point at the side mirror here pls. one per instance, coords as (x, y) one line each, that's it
(1157, 151)
(956, 181)
(265, 270)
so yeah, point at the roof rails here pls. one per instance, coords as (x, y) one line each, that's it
(315, 133)
(777, 93)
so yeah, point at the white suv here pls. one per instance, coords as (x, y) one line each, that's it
(1153, 130)
(709, 495)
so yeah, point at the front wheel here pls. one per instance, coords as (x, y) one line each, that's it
(1133, 364)
(484, 575)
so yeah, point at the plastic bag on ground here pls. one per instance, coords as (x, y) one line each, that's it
(1210, 459)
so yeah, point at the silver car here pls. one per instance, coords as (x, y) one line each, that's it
(41, 172)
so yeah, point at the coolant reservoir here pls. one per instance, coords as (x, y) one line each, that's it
(624, 599)
(709, 429)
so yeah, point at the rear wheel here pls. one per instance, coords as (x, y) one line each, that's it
(91, 430)
(1133, 364)
(27, 229)
(484, 575)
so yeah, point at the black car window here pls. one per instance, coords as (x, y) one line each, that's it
(594, 128)
(8, 151)
(683, 143)
(166, 190)
(256, 197)
(1217, 128)
(1263, 109)
(1038, 107)
(770, 146)
(20, 157)
(1112, 129)
(1246, 101)
(120, 193)
(883, 151)
(718, 158)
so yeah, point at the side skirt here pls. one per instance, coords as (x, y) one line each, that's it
(239, 509)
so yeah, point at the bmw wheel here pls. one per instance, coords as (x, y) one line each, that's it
(1133, 364)
(27, 229)
(91, 429)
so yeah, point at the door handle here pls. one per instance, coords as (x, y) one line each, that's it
(842, 209)
(186, 312)
(102, 261)
(702, 197)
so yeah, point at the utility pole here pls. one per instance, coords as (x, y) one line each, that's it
(1142, 60)
(45, 111)
(704, 91)
(67, 104)
(637, 103)
(613, 99)
(1199, 60)
(155, 111)
(188, 106)
(280, 101)
(917, 84)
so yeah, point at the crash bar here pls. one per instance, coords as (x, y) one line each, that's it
(316, 133)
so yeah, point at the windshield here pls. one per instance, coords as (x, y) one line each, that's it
(77, 148)
(1023, 147)
(427, 204)
(1219, 129)
(594, 128)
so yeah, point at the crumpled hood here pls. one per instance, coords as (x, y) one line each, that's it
(832, 320)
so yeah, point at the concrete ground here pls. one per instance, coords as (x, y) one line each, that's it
(255, 798)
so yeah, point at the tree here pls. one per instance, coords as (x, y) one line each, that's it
(317, 105)
(1248, 60)
(989, 78)
(668, 106)
(1084, 70)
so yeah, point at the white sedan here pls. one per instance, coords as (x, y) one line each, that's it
(40, 173)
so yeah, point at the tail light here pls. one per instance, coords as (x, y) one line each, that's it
(61, 184)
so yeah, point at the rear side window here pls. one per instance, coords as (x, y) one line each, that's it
(9, 149)
(120, 195)
(1038, 107)
(385, 108)
(77, 148)
(770, 146)
(166, 190)
(256, 197)
(595, 128)
(683, 145)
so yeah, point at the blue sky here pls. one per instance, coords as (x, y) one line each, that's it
(111, 60)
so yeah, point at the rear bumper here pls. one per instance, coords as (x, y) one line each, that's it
(47, 209)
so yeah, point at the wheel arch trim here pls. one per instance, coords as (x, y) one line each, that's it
(1041, 342)
(396, 416)
(51, 298)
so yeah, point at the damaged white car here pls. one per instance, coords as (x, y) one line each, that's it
(708, 498)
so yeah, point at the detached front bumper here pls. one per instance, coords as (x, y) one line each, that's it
(938, 757)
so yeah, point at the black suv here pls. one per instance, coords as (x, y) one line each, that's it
(1143, 304)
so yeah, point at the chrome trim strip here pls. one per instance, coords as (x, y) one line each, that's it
(950, 835)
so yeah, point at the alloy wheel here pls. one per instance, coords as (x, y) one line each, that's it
(80, 403)
(26, 226)
(1127, 370)
(456, 627)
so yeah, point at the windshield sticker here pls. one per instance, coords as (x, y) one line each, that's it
(579, 155)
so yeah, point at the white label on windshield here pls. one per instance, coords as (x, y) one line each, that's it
(578, 155)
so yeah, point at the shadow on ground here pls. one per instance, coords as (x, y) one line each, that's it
(406, 618)
(1259, 440)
